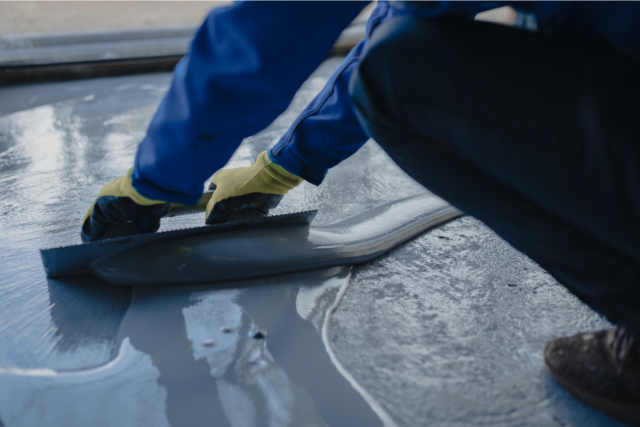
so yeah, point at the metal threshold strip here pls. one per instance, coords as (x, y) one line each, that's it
(73, 56)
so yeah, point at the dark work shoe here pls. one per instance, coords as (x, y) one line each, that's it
(601, 368)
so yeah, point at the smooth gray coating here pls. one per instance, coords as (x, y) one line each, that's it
(264, 251)
(289, 375)
(430, 334)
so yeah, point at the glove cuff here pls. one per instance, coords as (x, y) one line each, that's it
(122, 187)
(127, 188)
(278, 174)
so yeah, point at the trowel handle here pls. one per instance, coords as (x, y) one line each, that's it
(178, 209)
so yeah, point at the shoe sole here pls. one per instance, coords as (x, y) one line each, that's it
(626, 412)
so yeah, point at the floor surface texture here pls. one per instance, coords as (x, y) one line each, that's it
(446, 330)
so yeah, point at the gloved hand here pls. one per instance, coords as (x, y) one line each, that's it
(119, 210)
(256, 188)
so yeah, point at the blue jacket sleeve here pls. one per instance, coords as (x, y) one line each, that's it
(327, 131)
(244, 66)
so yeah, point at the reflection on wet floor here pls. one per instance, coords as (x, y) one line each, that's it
(429, 334)
(227, 372)
(244, 354)
(269, 366)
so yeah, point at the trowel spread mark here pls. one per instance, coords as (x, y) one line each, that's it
(375, 406)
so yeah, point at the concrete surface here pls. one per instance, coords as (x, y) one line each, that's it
(446, 330)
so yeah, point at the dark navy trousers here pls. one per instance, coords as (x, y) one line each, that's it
(536, 136)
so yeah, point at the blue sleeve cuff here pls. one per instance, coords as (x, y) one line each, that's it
(151, 191)
(296, 166)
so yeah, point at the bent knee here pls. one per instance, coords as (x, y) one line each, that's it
(410, 76)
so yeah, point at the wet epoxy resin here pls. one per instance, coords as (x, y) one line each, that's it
(430, 334)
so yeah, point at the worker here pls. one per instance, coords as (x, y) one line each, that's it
(535, 134)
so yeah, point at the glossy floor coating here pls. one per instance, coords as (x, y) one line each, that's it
(260, 251)
(445, 330)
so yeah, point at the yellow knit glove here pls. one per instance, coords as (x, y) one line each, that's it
(258, 188)
(119, 210)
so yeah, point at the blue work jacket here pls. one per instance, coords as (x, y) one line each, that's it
(247, 61)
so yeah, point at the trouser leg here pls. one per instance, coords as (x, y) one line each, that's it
(534, 136)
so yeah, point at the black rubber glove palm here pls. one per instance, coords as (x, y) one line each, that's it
(119, 210)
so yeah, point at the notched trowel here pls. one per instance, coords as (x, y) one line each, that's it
(77, 259)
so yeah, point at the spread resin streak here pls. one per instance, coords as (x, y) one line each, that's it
(281, 247)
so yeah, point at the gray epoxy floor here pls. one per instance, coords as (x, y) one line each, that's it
(446, 330)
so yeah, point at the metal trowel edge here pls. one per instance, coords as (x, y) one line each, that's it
(76, 259)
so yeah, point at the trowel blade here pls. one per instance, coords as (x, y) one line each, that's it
(76, 259)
